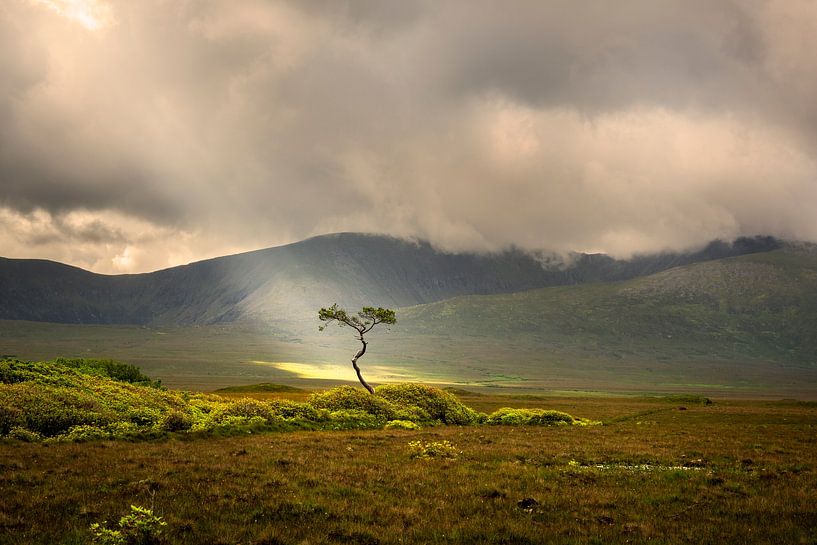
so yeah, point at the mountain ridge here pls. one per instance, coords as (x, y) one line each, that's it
(285, 283)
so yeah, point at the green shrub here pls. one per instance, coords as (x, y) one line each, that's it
(297, 411)
(140, 527)
(508, 416)
(126, 430)
(22, 434)
(437, 404)
(10, 416)
(143, 416)
(176, 420)
(401, 425)
(248, 408)
(353, 419)
(432, 449)
(346, 398)
(50, 410)
(109, 368)
(13, 371)
(686, 399)
(82, 433)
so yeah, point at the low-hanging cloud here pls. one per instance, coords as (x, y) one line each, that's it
(139, 135)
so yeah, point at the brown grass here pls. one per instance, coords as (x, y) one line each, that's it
(753, 481)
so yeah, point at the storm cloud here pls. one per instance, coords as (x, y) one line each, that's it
(139, 135)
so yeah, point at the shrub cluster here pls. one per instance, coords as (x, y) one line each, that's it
(109, 368)
(432, 449)
(140, 527)
(507, 416)
(83, 400)
(433, 404)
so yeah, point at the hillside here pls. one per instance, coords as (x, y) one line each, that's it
(284, 285)
(753, 307)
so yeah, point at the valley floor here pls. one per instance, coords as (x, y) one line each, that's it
(732, 472)
(210, 357)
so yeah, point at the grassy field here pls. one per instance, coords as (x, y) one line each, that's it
(212, 357)
(732, 472)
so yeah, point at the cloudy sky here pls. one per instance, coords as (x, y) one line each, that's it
(136, 135)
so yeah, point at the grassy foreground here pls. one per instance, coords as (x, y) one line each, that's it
(732, 472)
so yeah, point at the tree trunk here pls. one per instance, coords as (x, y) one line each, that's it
(357, 369)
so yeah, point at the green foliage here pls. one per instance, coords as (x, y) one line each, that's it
(348, 398)
(48, 410)
(363, 321)
(248, 408)
(177, 420)
(353, 419)
(432, 449)
(84, 433)
(401, 425)
(109, 368)
(437, 404)
(508, 416)
(49, 401)
(22, 434)
(11, 416)
(292, 410)
(140, 527)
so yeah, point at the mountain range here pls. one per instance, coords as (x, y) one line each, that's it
(288, 283)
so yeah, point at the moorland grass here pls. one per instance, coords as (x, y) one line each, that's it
(727, 472)
(732, 472)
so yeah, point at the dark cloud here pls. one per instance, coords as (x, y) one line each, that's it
(622, 127)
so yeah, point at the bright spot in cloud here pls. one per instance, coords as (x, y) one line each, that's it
(91, 14)
(124, 261)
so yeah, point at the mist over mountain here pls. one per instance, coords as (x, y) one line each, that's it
(288, 283)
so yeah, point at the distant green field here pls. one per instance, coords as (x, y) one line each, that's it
(213, 357)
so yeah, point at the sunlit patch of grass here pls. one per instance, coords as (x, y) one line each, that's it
(334, 371)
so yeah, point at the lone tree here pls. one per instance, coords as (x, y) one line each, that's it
(363, 322)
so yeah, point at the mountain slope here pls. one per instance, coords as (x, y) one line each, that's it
(287, 284)
(760, 306)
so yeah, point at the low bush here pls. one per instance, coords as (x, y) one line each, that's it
(22, 434)
(140, 527)
(437, 404)
(432, 449)
(353, 419)
(84, 433)
(346, 398)
(50, 410)
(298, 411)
(248, 408)
(176, 420)
(122, 372)
(401, 425)
(687, 399)
(507, 416)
